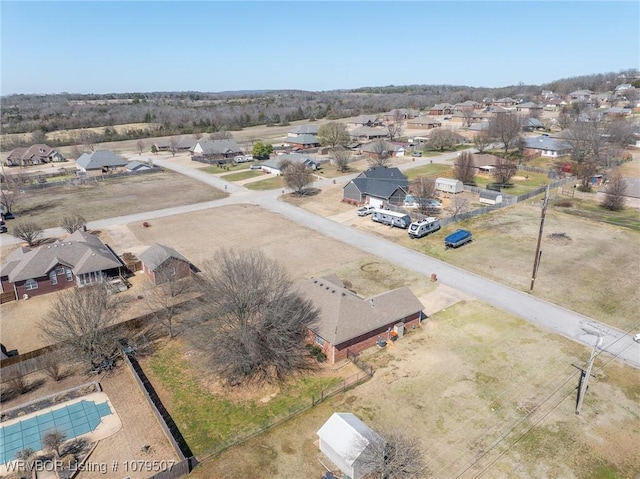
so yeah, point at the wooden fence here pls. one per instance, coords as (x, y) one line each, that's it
(7, 296)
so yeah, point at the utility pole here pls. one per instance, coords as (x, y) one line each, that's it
(584, 378)
(536, 260)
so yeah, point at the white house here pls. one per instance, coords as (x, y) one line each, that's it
(344, 439)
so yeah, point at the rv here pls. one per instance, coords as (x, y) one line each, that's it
(401, 220)
(418, 229)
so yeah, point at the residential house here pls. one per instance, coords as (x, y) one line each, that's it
(33, 155)
(350, 322)
(365, 120)
(221, 150)
(529, 108)
(274, 165)
(400, 113)
(423, 123)
(484, 162)
(506, 102)
(616, 111)
(381, 147)
(302, 142)
(368, 133)
(474, 115)
(580, 95)
(546, 94)
(466, 105)
(530, 123)
(163, 264)
(553, 104)
(182, 143)
(100, 162)
(345, 440)
(378, 186)
(303, 130)
(494, 110)
(546, 146)
(138, 166)
(78, 260)
(441, 109)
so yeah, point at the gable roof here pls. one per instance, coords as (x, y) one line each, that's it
(368, 131)
(377, 188)
(364, 119)
(424, 120)
(345, 315)
(304, 130)
(546, 143)
(303, 139)
(156, 254)
(81, 252)
(442, 106)
(385, 173)
(484, 159)
(39, 150)
(217, 147)
(307, 160)
(100, 159)
(347, 435)
(137, 165)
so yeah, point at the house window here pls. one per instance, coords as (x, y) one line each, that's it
(172, 271)
(69, 274)
(319, 340)
(60, 270)
(30, 284)
(53, 277)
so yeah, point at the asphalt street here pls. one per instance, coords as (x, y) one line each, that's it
(530, 308)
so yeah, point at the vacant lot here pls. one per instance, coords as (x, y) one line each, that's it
(464, 385)
(114, 197)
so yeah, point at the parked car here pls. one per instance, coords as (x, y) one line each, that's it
(636, 338)
(3, 227)
(255, 167)
(366, 210)
(416, 153)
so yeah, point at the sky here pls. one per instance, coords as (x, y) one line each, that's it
(208, 46)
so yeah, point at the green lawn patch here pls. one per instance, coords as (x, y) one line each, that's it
(222, 169)
(269, 184)
(627, 218)
(331, 171)
(433, 169)
(529, 181)
(208, 420)
(243, 175)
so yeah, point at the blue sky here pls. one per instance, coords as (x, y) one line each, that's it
(105, 47)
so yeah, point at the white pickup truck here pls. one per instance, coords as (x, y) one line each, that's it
(243, 159)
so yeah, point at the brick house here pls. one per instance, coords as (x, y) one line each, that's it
(377, 186)
(221, 150)
(33, 155)
(162, 264)
(348, 321)
(80, 259)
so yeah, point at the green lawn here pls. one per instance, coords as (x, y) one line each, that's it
(242, 175)
(520, 186)
(427, 170)
(208, 419)
(330, 171)
(269, 184)
(222, 169)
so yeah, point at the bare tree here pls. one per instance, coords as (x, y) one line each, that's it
(621, 132)
(442, 139)
(298, 177)
(468, 114)
(73, 222)
(140, 146)
(588, 142)
(381, 154)
(221, 135)
(52, 362)
(424, 189)
(333, 134)
(82, 319)
(458, 206)
(504, 170)
(9, 191)
(394, 127)
(254, 324)
(482, 141)
(615, 191)
(166, 300)
(53, 441)
(506, 128)
(464, 168)
(38, 136)
(564, 120)
(173, 145)
(394, 456)
(28, 231)
(27, 457)
(88, 139)
(341, 158)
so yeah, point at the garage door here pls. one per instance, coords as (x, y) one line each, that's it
(376, 202)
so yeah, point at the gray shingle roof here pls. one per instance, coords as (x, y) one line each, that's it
(369, 132)
(100, 159)
(156, 254)
(344, 315)
(217, 147)
(384, 173)
(304, 130)
(302, 140)
(546, 143)
(294, 158)
(377, 188)
(81, 252)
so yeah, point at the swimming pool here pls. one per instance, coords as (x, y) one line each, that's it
(73, 420)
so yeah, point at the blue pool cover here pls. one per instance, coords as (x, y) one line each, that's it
(73, 421)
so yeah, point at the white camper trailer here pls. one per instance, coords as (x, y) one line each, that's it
(392, 218)
(449, 185)
(418, 229)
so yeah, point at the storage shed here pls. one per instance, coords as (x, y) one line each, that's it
(489, 197)
(449, 185)
(344, 439)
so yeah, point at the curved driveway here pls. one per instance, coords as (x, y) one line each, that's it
(535, 310)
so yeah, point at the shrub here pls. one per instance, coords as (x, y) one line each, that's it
(317, 352)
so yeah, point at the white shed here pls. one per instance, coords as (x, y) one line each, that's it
(344, 439)
(489, 197)
(449, 185)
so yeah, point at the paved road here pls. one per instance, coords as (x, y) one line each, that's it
(537, 311)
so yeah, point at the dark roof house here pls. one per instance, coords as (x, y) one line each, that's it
(377, 186)
(215, 149)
